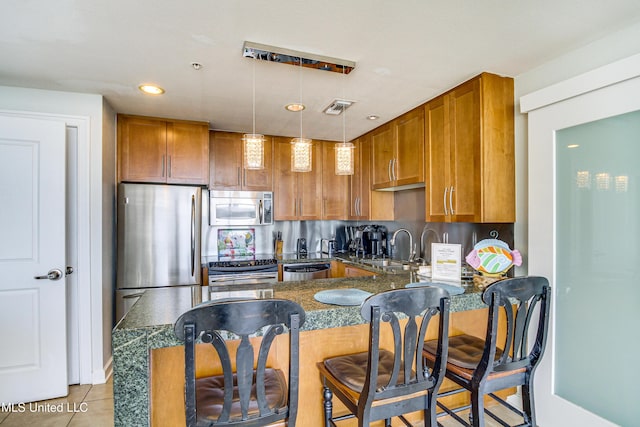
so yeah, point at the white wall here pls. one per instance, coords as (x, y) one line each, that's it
(96, 178)
(616, 46)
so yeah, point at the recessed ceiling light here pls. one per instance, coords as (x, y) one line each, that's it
(151, 89)
(294, 107)
(372, 117)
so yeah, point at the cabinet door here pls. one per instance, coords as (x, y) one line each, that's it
(142, 147)
(260, 179)
(285, 182)
(409, 164)
(310, 187)
(225, 160)
(437, 160)
(351, 271)
(334, 187)
(360, 180)
(383, 140)
(187, 153)
(464, 152)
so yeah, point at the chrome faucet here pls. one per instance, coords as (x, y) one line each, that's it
(423, 248)
(412, 251)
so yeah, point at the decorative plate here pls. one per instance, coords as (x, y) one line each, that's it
(348, 296)
(452, 289)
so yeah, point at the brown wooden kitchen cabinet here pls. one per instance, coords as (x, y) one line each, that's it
(297, 195)
(335, 188)
(162, 151)
(469, 152)
(365, 204)
(398, 152)
(226, 164)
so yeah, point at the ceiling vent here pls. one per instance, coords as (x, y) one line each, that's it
(337, 106)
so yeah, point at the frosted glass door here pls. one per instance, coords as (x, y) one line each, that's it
(597, 307)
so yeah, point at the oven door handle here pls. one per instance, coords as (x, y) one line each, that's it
(236, 277)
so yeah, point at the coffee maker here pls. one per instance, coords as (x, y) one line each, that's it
(374, 240)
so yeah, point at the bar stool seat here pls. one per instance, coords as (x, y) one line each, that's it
(210, 395)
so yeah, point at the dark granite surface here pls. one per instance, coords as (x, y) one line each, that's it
(149, 325)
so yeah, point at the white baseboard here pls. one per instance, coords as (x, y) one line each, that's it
(101, 376)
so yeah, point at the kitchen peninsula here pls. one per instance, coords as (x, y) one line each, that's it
(148, 359)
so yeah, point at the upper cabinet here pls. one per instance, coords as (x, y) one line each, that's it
(297, 195)
(162, 151)
(365, 204)
(469, 152)
(398, 152)
(335, 188)
(226, 164)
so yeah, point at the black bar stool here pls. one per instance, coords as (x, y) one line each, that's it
(483, 366)
(383, 383)
(252, 394)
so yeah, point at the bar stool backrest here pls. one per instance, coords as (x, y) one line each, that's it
(242, 318)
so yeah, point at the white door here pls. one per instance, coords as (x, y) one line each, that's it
(584, 235)
(33, 355)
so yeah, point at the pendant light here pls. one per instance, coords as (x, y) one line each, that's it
(344, 150)
(253, 142)
(301, 148)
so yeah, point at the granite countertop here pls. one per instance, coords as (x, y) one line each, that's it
(161, 307)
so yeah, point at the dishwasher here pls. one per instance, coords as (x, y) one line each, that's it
(305, 271)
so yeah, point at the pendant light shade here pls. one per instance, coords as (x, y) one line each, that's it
(344, 158)
(301, 148)
(253, 143)
(344, 150)
(253, 150)
(301, 155)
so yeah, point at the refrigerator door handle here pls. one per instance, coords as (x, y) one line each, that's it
(193, 234)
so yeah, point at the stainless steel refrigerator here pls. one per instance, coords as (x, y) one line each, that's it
(158, 239)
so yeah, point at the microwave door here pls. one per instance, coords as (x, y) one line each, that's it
(234, 211)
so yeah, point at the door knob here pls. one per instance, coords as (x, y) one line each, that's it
(54, 274)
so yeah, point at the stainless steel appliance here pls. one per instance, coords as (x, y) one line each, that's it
(245, 277)
(329, 246)
(374, 240)
(158, 239)
(301, 247)
(305, 271)
(240, 208)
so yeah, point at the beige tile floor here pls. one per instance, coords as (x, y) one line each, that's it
(86, 405)
(94, 408)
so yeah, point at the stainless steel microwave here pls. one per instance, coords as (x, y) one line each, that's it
(240, 207)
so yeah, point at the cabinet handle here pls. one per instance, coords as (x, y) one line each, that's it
(169, 167)
(238, 181)
(451, 201)
(357, 206)
(389, 170)
(394, 170)
(162, 167)
(444, 202)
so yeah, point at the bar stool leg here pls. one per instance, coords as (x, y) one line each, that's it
(477, 408)
(328, 406)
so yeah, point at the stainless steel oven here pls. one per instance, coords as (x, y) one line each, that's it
(242, 278)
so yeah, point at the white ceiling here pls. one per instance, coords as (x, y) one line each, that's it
(406, 52)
